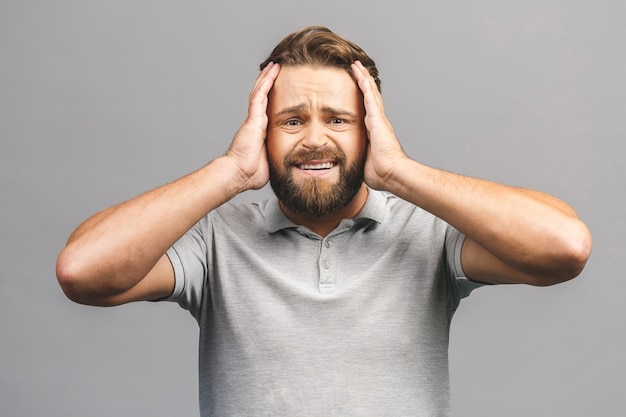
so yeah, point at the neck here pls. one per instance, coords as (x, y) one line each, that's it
(323, 225)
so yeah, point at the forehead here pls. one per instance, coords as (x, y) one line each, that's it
(313, 85)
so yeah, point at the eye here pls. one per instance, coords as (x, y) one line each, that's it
(292, 122)
(336, 121)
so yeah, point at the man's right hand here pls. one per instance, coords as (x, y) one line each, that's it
(118, 255)
(248, 147)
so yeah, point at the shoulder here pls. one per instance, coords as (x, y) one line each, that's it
(237, 212)
(398, 210)
(247, 218)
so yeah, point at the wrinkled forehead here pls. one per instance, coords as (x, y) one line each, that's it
(308, 85)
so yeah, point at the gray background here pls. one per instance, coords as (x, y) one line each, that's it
(100, 101)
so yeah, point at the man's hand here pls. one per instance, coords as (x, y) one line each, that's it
(248, 147)
(384, 149)
(118, 255)
(513, 235)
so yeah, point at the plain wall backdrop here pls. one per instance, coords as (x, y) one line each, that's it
(103, 100)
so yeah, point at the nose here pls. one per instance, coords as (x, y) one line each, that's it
(314, 137)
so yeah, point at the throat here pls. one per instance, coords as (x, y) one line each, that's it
(323, 225)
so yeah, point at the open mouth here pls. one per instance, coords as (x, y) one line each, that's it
(318, 166)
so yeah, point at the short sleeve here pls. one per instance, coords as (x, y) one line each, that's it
(462, 285)
(188, 257)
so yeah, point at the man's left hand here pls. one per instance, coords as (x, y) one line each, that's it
(384, 150)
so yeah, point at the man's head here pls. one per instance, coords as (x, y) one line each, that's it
(319, 46)
(317, 139)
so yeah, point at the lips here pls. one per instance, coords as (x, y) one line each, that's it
(319, 161)
(317, 166)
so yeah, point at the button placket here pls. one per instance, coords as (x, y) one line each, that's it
(327, 264)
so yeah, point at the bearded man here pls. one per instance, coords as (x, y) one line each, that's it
(334, 297)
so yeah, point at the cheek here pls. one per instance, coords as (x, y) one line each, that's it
(276, 148)
(356, 144)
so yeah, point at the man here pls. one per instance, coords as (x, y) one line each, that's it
(335, 297)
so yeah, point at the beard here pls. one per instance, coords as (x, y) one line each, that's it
(316, 196)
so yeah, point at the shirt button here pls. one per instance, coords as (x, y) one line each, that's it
(325, 264)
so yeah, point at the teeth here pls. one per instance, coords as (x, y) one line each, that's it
(326, 165)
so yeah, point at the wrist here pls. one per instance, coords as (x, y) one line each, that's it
(416, 182)
(396, 178)
(238, 174)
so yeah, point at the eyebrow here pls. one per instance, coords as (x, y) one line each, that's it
(326, 109)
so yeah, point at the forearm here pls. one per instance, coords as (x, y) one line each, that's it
(114, 256)
(529, 231)
(116, 248)
(513, 234)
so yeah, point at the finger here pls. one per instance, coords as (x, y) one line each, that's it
(266, 79)
(263, 72)
(262, 86)
(367, 84)
(372, 99)
(364, 79)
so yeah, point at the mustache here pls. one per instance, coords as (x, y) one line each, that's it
(301, 156)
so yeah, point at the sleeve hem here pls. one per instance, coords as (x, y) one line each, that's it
(179, 275)
(464, 284)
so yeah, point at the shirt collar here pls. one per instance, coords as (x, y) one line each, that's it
(275, 219)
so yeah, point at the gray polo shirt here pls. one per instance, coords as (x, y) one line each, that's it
(292, 324)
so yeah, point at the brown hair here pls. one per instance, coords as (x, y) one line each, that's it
(317, 45)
